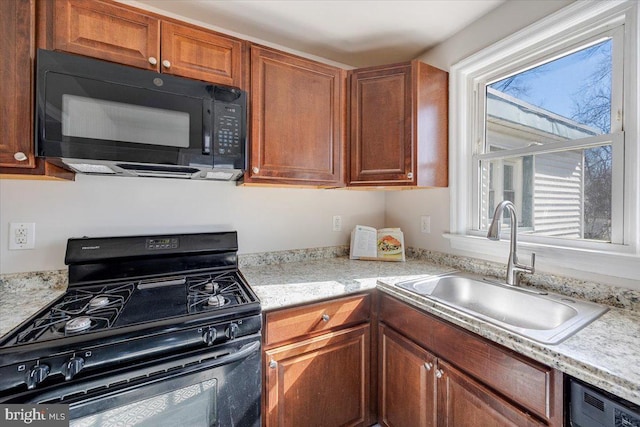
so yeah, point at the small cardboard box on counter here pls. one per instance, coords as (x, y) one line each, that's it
(385, 244)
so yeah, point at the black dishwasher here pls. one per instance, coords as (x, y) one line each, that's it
(595, 408)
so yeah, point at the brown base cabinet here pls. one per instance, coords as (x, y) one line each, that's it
(323, 362)
(417, 389)
(465, 402)
(407, 382)
(435, 374)
(317, 364)
(319, 382)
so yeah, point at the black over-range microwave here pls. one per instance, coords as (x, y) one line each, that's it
(96, 117)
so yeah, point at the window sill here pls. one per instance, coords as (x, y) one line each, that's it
(585, 264)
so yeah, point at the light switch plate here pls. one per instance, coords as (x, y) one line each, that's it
(425, 224)
(337, 223)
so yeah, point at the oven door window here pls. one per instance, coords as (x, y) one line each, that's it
(86, 118)
(184, 401)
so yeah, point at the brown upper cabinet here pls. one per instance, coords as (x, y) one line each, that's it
(129, 36)
(396, 127)
(297, 120)
(399, 126)
(17, 153)
(17, 27)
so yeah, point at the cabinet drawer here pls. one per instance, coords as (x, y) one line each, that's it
(285, 325)
(531, 384)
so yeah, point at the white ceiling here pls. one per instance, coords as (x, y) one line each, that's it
(353, 32)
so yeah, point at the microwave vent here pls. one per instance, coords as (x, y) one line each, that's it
(91, 168)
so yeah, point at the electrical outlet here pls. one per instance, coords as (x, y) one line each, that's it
(22, 235)
(425, 224)
(337, 223)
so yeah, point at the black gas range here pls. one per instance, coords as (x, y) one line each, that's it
(144, 317)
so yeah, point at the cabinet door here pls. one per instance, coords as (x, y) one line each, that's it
(17, 28)
(320, 382)
(381, 127)
(407, 386)
(463, 402)
(107, 31)
(297, 120)
(202, 55)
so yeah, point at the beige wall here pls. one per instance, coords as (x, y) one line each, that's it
(267, 219)
(404, 208)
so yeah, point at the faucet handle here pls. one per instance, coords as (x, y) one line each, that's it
(526, 268)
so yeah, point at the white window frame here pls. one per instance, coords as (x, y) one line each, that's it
(554, 34)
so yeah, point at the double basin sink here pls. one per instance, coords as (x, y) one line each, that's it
(537, 315)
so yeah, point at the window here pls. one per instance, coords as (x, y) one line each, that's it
(548, 119)
(565, 103)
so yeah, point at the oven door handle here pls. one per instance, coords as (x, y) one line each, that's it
(239, 354)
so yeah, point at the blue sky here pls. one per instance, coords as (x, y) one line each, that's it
(555, 85)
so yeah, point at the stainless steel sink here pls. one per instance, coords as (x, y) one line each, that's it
(540, 316)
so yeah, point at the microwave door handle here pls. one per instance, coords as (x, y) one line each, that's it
(208, 127)
(206, 144)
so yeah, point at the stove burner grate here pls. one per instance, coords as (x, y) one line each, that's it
(213, 291)
(78, 311)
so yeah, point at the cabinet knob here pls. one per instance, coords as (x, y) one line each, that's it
(439, 373)
(273, 364)
(326, 317)
(410, 175)
(153, 60)
(20, 156)
(166, 63)
(255, 169)
(428, 366)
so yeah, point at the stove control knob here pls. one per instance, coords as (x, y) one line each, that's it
(232, 331)
(210, 335)
(37, 374)
(73, 366)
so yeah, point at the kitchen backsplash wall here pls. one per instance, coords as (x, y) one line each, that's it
(267, 219)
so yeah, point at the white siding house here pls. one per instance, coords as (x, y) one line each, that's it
(548, 189)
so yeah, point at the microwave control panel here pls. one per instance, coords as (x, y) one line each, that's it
(228, 137)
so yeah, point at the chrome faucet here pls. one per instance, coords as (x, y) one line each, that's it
(513, 267)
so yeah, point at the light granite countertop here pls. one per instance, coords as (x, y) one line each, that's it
(606, 353)
(287, 284)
